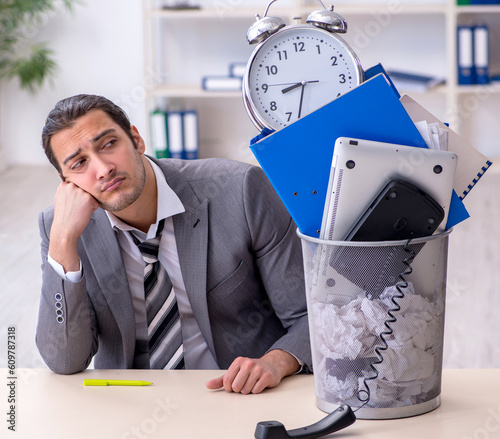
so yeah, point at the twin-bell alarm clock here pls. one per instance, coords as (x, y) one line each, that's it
(297, 69)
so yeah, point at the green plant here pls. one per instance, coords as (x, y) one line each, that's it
(33, 64)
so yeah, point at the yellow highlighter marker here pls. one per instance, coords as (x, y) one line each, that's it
(90, 382)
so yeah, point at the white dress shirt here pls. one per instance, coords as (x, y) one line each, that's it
(196, 352)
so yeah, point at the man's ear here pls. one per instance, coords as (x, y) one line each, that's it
(141, 146)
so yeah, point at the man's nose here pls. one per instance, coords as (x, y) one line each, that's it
(104, 168)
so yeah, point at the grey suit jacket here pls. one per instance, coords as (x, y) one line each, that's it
(241, 263)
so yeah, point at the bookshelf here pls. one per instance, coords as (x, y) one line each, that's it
(182, 46)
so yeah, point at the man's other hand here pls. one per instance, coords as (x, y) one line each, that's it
(253, 375)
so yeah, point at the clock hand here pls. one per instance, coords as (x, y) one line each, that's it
(301, 99)
(294, 86)
(282, 84)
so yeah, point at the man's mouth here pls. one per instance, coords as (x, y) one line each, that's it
(113, 184)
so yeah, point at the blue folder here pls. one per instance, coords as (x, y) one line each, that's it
(465, 55)
(297, 159)
(481, 54)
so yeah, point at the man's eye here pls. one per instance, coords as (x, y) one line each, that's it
(77, 165)
(110, 143)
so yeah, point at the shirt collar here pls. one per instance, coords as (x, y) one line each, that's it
(169, 204)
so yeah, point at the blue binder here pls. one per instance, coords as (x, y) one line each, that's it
(481, 54)
(297, 159)
(190, 132)
(465, 55)
(175, 134)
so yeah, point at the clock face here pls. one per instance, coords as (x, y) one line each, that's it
(296, 71)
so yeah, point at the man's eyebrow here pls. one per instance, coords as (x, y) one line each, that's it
(101, 135)
(94, 140)
(72, 156)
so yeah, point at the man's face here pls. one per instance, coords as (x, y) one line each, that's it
(96, 155)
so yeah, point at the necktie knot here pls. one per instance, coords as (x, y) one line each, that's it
(150, 248)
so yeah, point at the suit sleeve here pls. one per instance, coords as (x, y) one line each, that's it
(66, 334)
(278, 254)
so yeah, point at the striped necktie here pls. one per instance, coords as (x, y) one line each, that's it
(164, 325)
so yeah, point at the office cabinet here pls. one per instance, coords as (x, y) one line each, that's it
(183, 46)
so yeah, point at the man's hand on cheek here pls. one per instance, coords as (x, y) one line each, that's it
(73, 208)
(253, 375)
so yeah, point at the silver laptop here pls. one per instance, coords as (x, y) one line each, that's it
(360, 170)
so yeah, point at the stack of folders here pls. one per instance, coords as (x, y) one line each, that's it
(473, 55)
(231, 82)
(174, 134)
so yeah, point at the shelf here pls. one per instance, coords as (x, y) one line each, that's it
(439, 89)
(194, 91)
(359, 9)
(396, 8)
(478, 9)
(492, 88)
(212, 13)
(191, 91)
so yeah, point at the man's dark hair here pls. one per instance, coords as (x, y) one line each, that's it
(68, 110)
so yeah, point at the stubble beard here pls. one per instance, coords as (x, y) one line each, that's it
(138, 182)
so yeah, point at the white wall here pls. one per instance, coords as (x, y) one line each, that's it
(99, 50)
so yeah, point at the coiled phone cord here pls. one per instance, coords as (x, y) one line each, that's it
(364, 394)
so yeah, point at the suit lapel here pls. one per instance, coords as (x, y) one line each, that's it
(104, 254)
(191, 235)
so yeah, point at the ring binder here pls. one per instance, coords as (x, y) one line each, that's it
(465, 57)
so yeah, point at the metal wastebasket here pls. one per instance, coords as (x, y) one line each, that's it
(376, 318)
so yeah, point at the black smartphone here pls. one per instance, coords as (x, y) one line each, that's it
(400, 212)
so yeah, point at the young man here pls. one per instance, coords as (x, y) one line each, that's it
(227, 244)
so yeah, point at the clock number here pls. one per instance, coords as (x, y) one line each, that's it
(334, 61)
(319, 49)
(299, 47)
(265, 87)
(272, 70)
(282, 55)
(289, 116)
(273, 107)
(342, 78)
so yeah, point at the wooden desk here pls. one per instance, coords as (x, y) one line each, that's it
(179, 406)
